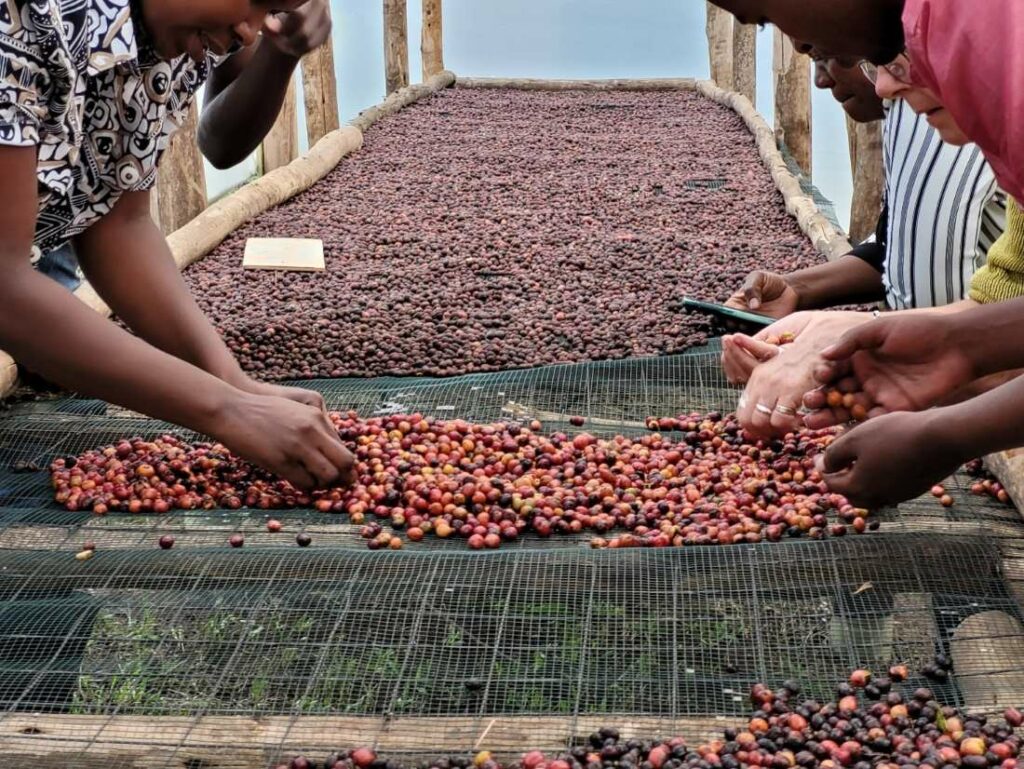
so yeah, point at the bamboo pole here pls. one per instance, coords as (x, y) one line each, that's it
(320, 92)
(720, 35)
(432, 39)
(181, 180)
(793, 100)
(396, 45)
(868, 177)
(200, 235)
(403, 98)
(281, 144)
(744, 60)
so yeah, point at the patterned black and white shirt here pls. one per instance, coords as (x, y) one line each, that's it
(79, 81)
(943, 211)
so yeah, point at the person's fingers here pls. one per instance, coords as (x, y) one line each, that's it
(737, 301)
(841, 454)
(744, 408)
(273, 24)
(877, 411)
(761, 411)
(815, 399)
(841, 415)
(848, 384)
(753, 288)
(341, 461)
(297, 475)
(785, 417)
(762, 351)
(821, 419)
(323, 471)
(827, 372)
(867, 336)
(737, 364)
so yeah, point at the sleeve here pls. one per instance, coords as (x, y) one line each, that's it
(1002, 277)
(23, 77)
(873, 249)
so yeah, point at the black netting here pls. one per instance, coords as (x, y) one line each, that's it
(143, 657)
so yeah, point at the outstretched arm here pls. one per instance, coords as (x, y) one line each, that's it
(51, 331)
(899, 456)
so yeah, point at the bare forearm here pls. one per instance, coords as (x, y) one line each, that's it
(983, 425)
(242, 111)
(847, 280)
(991, 335)
(165, 315)
(54, 334)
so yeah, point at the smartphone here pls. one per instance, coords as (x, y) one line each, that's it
(744, 321)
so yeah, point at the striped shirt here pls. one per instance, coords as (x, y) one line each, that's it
(943, 211)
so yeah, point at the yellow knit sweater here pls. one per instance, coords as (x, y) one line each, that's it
(1002, 277)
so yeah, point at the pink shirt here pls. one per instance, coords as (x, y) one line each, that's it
(971, 54)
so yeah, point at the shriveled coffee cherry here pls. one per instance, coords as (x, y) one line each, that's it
(166, 542)
(302, 539)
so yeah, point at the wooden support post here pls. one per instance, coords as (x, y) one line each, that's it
(432, 40)
(744, 60)
(181, 180)
(868, 177)
(320, 92)
(281, 144)
(719, 32)
(396, 45)
(793, 100)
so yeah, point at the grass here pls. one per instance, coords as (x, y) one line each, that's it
(538, 657)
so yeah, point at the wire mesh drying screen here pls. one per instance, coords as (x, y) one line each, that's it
(203, 656)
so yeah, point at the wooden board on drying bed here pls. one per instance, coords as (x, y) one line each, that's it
(297, 254)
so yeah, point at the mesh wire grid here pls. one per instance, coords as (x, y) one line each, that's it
(140, 657)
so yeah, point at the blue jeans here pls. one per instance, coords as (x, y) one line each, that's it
(61, 265)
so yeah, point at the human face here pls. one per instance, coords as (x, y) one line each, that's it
(921, 100)
(849, 87)
(196, 26)
(870, 29)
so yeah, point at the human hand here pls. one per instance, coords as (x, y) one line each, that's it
(767, 293)
(742, 354)
(297, 394)
(889, 459)
(902, 363)
(770, 403)
(296, 33)
(293, 440)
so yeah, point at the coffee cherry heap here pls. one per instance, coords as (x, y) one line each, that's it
(490, 483)
(880, 728)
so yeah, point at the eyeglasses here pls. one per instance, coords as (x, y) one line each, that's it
(898, 69)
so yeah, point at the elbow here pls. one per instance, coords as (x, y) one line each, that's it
(220, 154)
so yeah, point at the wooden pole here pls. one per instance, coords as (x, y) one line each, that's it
(744, 60)
(396, 45)
(432, 40)
(719, 32)
(320, 92)
(180, 179)
(868, 177)
(281, 144)
(793, 101)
